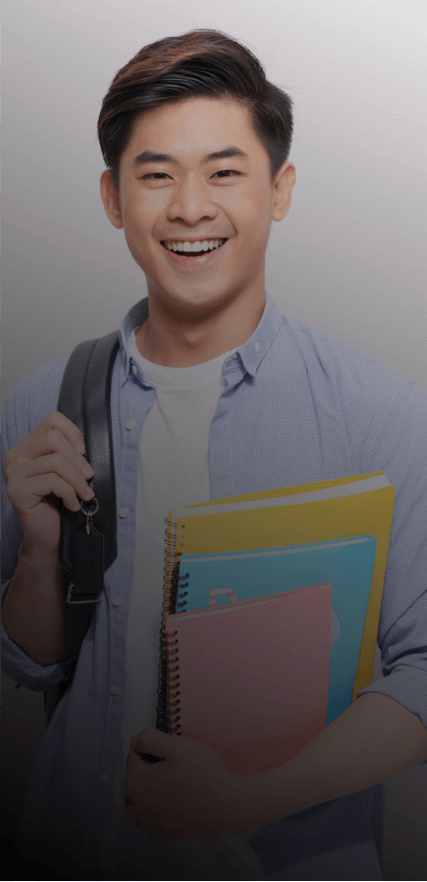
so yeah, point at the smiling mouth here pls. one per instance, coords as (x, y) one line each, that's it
(194, 253)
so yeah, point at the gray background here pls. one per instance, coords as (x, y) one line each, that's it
(348, 258)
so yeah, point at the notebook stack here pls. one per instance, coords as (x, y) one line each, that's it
(271, 610)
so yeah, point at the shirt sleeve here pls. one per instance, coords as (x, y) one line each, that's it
(402, 633)
(25, 407)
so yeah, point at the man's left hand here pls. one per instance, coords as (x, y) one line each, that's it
(189, 794)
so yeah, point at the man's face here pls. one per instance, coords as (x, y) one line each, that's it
(226, 198)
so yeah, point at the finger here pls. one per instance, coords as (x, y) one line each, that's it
(57, 420)
(156, 743)
(140, 813)
(42, 444)
(139, 763)
(24, 500)
(55, 463)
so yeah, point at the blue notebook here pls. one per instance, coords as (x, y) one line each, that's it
(347, 564)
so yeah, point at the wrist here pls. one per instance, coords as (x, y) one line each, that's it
(31, 555)
(258, 801)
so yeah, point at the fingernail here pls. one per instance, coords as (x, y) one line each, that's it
(89, 494)
(88, 470)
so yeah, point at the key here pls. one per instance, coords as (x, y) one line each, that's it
(88, 559)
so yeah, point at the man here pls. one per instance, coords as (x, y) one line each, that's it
(214, 393)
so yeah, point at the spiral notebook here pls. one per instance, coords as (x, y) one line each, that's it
(355, 506)
(252, 677)
(347, 565)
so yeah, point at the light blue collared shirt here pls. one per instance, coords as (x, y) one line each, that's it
(299, 407)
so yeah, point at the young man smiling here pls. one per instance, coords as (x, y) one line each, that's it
(214, 393)
(204, 189)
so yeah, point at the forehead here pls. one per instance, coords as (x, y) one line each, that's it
(192, 126)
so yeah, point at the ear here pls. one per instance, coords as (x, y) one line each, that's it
(111, 200)
(283, 186)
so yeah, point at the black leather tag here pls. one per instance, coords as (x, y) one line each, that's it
(88, 564)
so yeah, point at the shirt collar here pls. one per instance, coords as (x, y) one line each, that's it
(250, 354)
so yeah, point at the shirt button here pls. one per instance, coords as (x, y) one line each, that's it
(115, 690)
(103, 779)
(130, 424)
(123, 512)
(134, 368)
(117, 600)
(257, 347)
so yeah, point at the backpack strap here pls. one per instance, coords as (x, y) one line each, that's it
(85, 398)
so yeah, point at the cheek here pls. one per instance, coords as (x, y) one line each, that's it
(137, 231)
(250, 212)
(134, 243)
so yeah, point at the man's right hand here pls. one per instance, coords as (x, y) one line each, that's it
(47, 466)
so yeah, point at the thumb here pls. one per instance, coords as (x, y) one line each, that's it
(157, 743)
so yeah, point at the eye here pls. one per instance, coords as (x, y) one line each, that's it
(227, 171)
(154, 175)
(159, 175)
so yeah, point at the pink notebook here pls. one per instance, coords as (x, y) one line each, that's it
(253, 675)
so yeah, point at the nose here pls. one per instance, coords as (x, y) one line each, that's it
(191, 201)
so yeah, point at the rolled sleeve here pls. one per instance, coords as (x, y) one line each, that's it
(404, 686)
(18, 665)
(402, 632)
(26, 406)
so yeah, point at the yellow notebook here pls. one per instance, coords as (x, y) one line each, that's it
(357, 505)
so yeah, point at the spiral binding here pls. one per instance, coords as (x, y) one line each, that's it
(173, 715)
(171, 575)
(180, 603)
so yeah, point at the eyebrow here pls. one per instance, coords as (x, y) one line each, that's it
(149, 156)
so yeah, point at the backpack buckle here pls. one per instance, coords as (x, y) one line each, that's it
(71, 598)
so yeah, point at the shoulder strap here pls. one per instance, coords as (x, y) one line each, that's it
(85, 398)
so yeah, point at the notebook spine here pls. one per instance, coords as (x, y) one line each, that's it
(170, 582)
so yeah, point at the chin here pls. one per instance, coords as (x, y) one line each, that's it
(188, 299)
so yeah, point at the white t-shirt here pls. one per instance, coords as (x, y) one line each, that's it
(173, 471)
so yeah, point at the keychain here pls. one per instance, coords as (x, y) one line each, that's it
(88, 580)
(89, 515)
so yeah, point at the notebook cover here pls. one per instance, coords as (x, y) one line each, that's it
(347, 567)
(295, 489)
(253, 676)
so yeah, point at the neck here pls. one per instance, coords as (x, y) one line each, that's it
(175, 340)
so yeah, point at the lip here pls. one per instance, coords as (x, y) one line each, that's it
(195, 261)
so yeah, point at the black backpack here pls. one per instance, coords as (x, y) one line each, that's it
(84, 398)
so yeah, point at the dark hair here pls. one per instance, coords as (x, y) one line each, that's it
(200, 63)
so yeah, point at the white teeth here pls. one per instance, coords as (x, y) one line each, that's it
(206, 245)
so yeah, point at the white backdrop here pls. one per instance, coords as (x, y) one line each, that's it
(349, 257)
